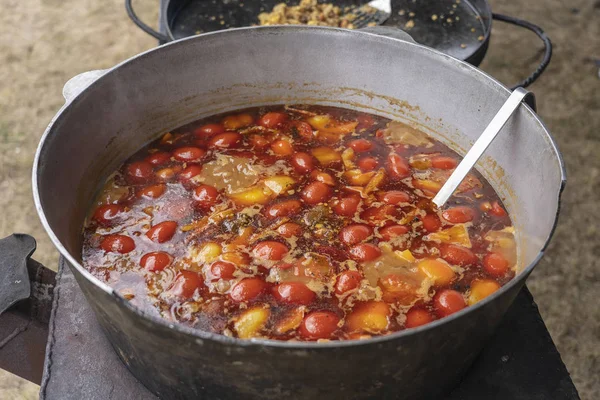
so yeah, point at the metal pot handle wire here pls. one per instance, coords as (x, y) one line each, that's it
(133, 16)
(544, 38)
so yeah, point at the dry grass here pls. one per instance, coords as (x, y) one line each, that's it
(46, 42)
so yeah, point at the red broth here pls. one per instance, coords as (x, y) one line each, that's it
(298, 223)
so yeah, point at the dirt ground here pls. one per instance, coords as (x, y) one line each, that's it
(45, 42)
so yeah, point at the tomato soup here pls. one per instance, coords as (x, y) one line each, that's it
(298, 223)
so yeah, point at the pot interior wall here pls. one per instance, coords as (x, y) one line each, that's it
(189, 79)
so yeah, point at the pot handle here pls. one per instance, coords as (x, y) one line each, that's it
(394, 33)
(26, 297)
(543, 37)
(78, 83)
(133, 16)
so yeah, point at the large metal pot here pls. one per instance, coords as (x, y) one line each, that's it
(161, 89)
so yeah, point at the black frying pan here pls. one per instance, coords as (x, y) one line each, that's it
(459, 28)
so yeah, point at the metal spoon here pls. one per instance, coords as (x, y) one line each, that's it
(482, 143)
(381, 11)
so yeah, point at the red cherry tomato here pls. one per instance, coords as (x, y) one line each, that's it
(188, 154)
(392, 231)
(289, 229)
(431, 223)
(284, 208)
(380, 214)
(225, 140)
(259, 142)
(365, 252)
(153, 191)
(117, 244)
(347, 206)
(206, 196)
(185, 284)
(395, 197)
(448, 302)
(442, 162)
(495, 264)
(209, 130)
(272, 119)
(162, 232)
(397, 167)
(458, 255)
(158, 158)
(294, 293)
(155, 261)
(315, 193)
(360, 145)
(348, 280)
(353, 234)
(107, 214)
(319, 325)
(302, 162)
(139, 172)
(190, 172)
(282, 147)
(247, 289)
(270, 250)
(303, 129)
(459, 215)
(367, 164)
(417, 317)
(222, 270)
(497, 210)
(365, 121)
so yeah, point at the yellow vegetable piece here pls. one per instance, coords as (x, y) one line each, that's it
(357, 177)
(233, 122)
(251, 322)
(291, 321)
(207, 253)
(326, 155)
(259, 194)
(236, 258)
(319, 121)
(348, 158)
(406, 255)
(427, 186)
(326, 124)
(421, 162)
(279, 184)
(480, 289)
(375, 181)
(371, 317)
(438, 271)
(457, 234)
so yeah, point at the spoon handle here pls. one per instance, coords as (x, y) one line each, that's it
(482, 143)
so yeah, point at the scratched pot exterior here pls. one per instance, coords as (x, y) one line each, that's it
(175, 84)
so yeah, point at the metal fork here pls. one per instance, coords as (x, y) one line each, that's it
(365, 17)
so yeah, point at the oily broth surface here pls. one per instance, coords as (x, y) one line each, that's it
(324, 285)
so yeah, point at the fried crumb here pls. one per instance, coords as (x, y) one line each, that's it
(310, 12)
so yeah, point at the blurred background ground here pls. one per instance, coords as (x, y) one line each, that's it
(45, 42)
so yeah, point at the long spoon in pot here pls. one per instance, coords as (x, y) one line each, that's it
(482, 143)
